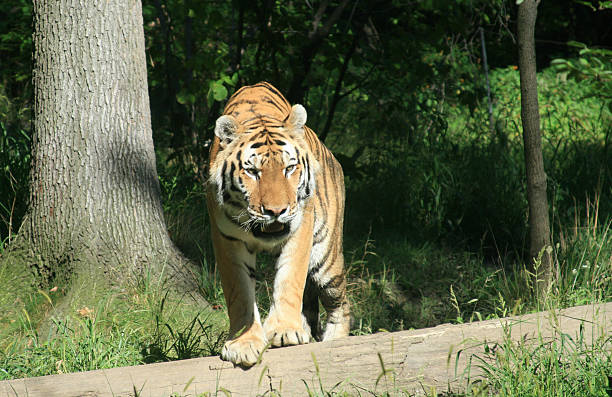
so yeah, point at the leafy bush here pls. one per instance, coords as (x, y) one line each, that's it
(465, 182)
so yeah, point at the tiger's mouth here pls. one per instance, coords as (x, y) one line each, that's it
(271, 230)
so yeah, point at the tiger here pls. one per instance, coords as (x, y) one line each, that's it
(273, 186)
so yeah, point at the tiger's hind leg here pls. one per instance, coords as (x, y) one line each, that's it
(310, 309)
(335, 302)
(329, 280)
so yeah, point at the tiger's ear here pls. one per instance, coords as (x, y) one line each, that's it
(297, 118)
(226, 128)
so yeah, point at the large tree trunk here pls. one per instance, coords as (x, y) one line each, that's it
(94, 193)
(539, 229)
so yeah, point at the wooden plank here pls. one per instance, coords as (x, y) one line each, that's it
(416, 360)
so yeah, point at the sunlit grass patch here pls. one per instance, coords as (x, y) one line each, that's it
(561, 365)
(135, 325)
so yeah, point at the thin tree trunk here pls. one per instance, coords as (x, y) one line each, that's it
(539, 229)
(94, 193)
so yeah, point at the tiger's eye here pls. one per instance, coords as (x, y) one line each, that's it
(252, 172)
(289, 169)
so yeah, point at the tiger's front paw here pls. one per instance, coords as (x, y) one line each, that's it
(244, 350)
(288, 337)
(285, 334)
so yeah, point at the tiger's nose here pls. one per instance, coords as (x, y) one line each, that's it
(274, 211)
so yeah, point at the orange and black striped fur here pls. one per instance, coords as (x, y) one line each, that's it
(273, 186)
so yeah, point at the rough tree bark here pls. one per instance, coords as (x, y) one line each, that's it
(94, 192)
(539, 229)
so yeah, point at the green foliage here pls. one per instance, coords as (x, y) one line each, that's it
(188, 55)
(593, 65)
(465, 180)
(19, 294)
(77, 346)
(96, 330)
(195, 339)
(584, 253)
(184, 204)
(564, 365)
(395, 276)
(575, 136)
(14, 162)
(16, 44)
(15, 114)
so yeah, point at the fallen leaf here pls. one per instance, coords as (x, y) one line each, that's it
(85, 311)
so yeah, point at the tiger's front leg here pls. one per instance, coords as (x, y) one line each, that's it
(246, 340)
(284, 325)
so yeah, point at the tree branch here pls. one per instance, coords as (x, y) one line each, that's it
(303, 62)
(337, 95)
(318, 16)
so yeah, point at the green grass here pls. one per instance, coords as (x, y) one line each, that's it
(416, 286)
(563, 365)
(40, 334)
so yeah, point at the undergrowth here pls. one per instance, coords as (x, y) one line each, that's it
(138, 325)
(559, 365)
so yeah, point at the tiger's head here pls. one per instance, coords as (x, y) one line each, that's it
(263, 176)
